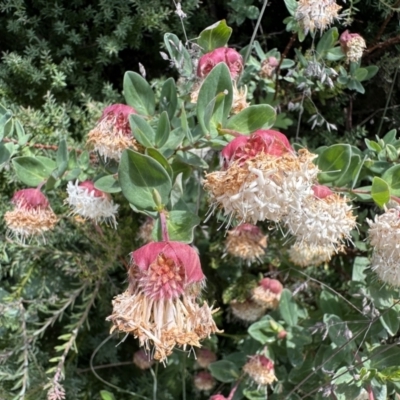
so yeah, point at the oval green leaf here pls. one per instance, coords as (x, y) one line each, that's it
(334, 162)
(380, 191)
(214, 36)
(138, 93)
(32, 171)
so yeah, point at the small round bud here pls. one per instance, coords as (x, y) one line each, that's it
(142, 360)
(205, 357)
(204, 381)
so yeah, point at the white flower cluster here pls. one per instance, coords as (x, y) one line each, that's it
(355, 48)
(384, 236)
(87, 204)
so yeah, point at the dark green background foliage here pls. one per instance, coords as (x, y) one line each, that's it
(62, 62)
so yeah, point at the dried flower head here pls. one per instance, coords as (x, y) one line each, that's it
(304, 255)
(142, 359)
(205, 357)
(268, 67)
(316, 14)
(324, 219)
(261, 370)
(32, 215)
(268, 293)
(247, 311)
(261, 178)
(160, 306)
(384, 236)
(194, 94)
(204, 381)
(239, 102)
(230, 57)
(146, 230)
(246, 241)
(90, 203)
(113, 134)
(353, 45)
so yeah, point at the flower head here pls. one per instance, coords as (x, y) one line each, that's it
(88, 202)
(353, 45)
(268, 293)
(239, 102)
(260, 369)
(247, 311)
(322, 219)
(32, 215)
(142, 359)
(268, 67)
(384, 236)
(205, 357)
(204, 381)
(160, 307)
(112, 133)
(304, 255)
(316, 14)
(230, 57)
(246, 241)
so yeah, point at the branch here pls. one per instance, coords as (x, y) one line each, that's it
(381, 46)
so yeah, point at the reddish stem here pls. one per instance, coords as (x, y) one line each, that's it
(164, 229)
(370, 393)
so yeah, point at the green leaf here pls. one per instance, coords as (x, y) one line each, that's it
(163, 130)
(380, 191)
(252, 118)
(392, 177)
(336, 329)
(138, 93)
(335, 54)
(296, 339)
(291, 6)
(192, 159)
(169, 98)
(5, 152)
(153, 153)
(351, 172)
(214, 36)
(224, 371)
(371, 72)
(33, 171)
(218, 81)
(385, 356)
(107, 184)
(179, 54)
(252, 394)
(62, 157)
(329, 303)
(390, 137)
(175, 139)
(288, 308)
(327, 41)
(265, 330)
(390, 321)
(106, 395)
(361, 74)
(5, 124)
(334, 162)
(139, 175)
(181, 224)
(142, 131)
(360, 266)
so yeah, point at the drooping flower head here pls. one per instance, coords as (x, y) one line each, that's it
(260, 369)
(246, 241)
(268, 293)
(90, 203)
(353, 45)
(32, 215)
(384, 236)
(268, 67)
(204, 381)
(160, 306)
(261, 177)
(142, 359)
(247, 311)
(230, 57)
(315, 15)
(205, 357)
(112, 133)
(304, 255)
(324, 219)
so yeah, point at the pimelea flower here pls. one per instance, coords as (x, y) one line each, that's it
(142, 360)
(90, 203)
(247, 311)
(322, 219)
(205, 357)
(261, 177)
(239, 102)
(268, 293)
(304, 255)
(316, 14)
(160, 305)
(32, 215)
(261, 370)
(112, 133)
(384, 236)
(230, 57)
(353, 45)
(247, 242)
(204, 381)
(268, 67)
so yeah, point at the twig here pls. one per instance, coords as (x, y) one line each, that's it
(380, 46)
(25, 378)
(383, 26)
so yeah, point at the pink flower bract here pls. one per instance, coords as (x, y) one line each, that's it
(229, 56)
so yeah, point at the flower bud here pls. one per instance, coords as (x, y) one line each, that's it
(205, 357)
(204, 381)
(142, 360)
(321, 191)
(260, 369)
(112, 133)
(353, 45)
(32, 215)
(268, 293)
(230, 57)
(90, 203)
(268, 67)
(282, 334)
